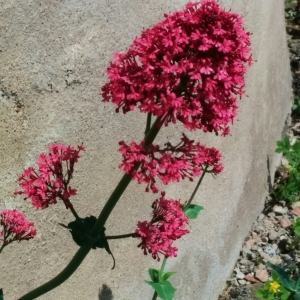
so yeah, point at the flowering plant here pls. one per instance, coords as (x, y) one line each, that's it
(167, 224)
(189, 68)
(15, 227)
(171, 163)
(281, 287)
(52, 181)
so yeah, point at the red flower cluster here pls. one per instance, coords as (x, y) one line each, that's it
(167, 224)
(189, 67)
(171, 163)
(52, 181)
(15, 227)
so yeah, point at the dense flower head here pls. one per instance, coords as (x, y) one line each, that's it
(51, 181)
(189, 67)
(15, 227)
(170, 163)
(274, 286)
(167, 224)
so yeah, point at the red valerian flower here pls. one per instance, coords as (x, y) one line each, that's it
(52, 180)
(15, 227)
(171, 163)
(189, 67)
(167, 224)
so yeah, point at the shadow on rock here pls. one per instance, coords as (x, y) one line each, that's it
(105, 293)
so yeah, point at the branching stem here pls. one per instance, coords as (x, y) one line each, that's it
(197, 187)
(121, 236)
(75, 213)
(2, 247)
(162, 268)
(148, 124)
(103, 216)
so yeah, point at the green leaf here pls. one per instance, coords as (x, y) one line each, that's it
(292, 186)
(1, 294)
(81, 234)
(296, 296)
(296, 227)
(283, 146)
(259, 293)
(296, 146)
(154, 275)
(287, 5)
(192, 211)
(167, 275)
(294, 107)
(275, 277)
(287, 143)
(165, 290)
(289, 156)
(284, 277)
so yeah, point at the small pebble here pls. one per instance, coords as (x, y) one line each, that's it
(273, 235)
(260, 217)
(262, 275)
(254, 248)
(269, 250)
(281, 231)
(245, 262)
(240, 275)
(268, 223)
(271, 215)
(254, 234)
(285, 222)
(283, 203)
(296, 204)
(251, 278)
(259, 229)
(280, 210)
(261, 267)
(286, 257)
(296, 211)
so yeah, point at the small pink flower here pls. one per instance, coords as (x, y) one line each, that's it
(189, 67)
(167, 224)
(15, 227)
(51, 181)
(169, 164)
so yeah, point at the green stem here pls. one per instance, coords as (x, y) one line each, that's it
(154, 295)
(71, 207)
(75, 213)
(291, 296)
(106, 211)
(196, 188)
(148, 124)
(2, 247)
(6, 242)
(162, 268)
(163, 264)
(297, 283)
(121, 236)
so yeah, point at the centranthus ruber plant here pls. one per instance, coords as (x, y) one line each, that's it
(51, 181)
(167, 224)
(188, 68)
(171, 163)
(15, 227)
